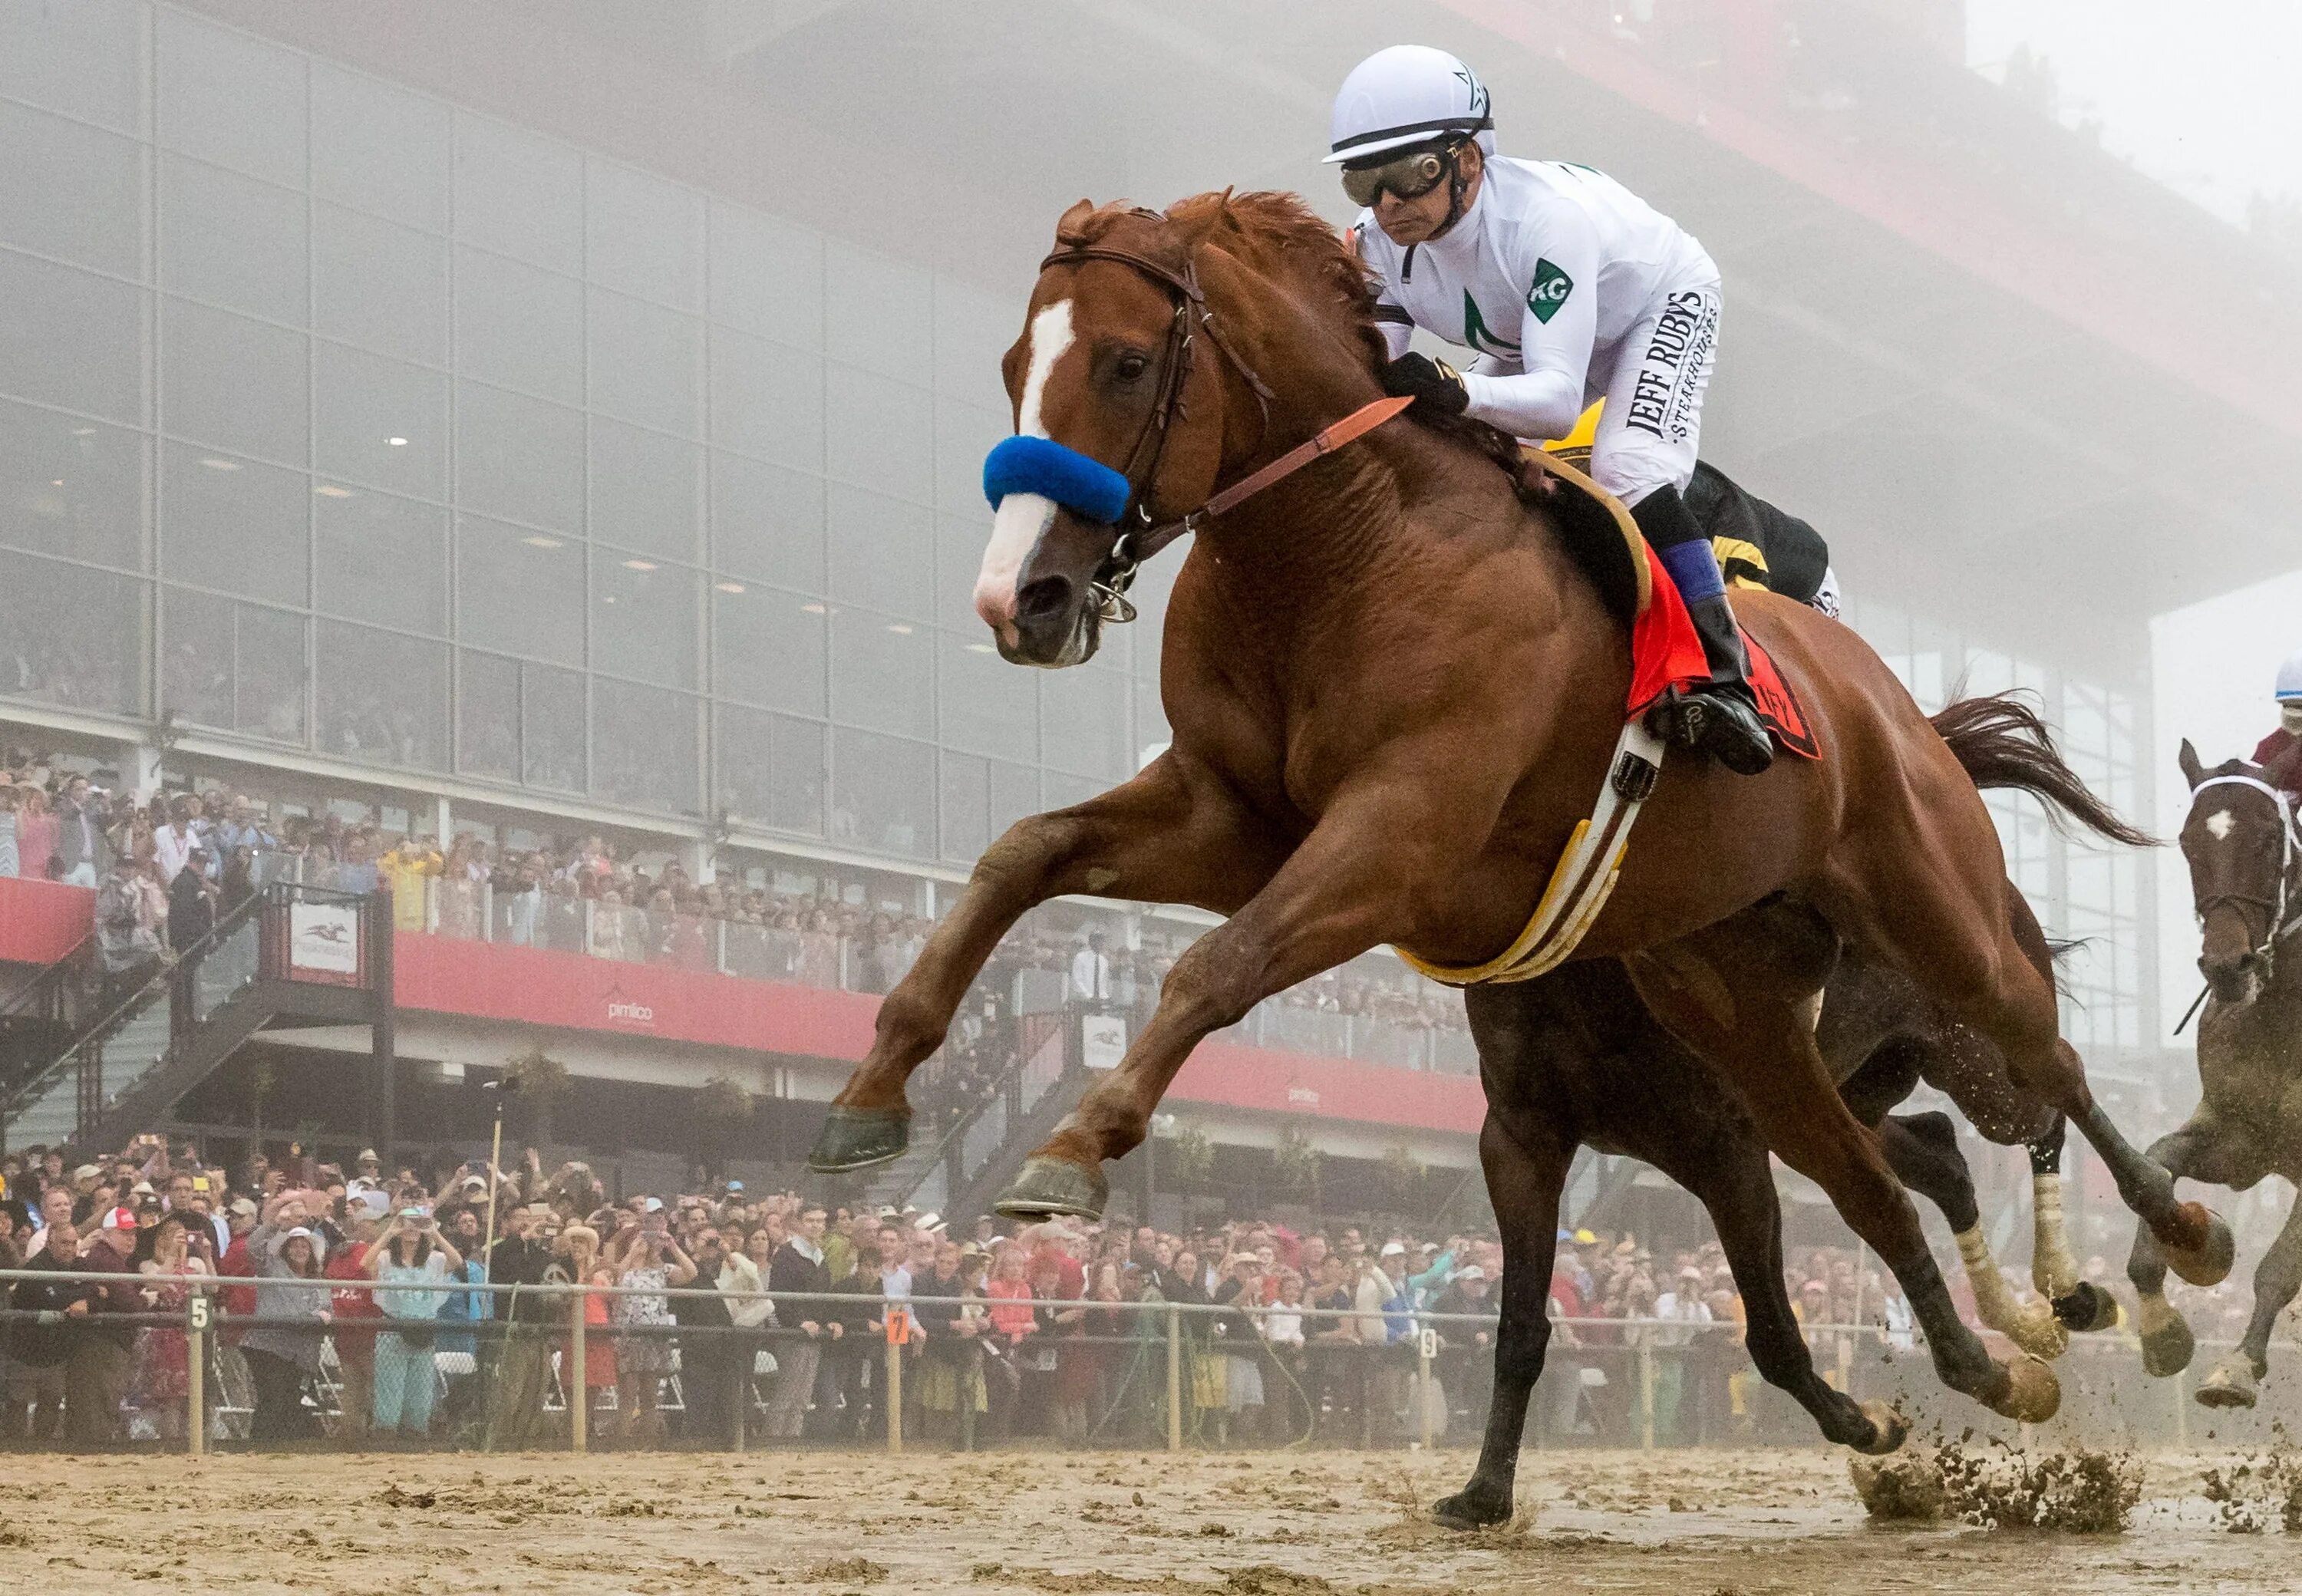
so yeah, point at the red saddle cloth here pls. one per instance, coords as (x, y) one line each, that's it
(1666, 653)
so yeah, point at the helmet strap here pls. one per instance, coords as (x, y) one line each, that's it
(1456, 186)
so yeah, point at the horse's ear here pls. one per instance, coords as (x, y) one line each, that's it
(2193, 771)
(1068, 227)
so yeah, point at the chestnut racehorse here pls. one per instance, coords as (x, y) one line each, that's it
(1393, 695)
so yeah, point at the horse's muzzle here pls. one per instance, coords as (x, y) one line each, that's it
(1055, 624)
(2235, 981)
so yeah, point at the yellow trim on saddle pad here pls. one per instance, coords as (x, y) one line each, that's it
(1572, 476)
(1581, 882)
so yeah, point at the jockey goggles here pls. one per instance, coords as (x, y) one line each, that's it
(1410, 175)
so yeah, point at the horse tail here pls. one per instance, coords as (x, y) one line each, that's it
(2002, 742)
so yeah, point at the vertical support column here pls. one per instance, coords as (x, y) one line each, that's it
(197, 1313)
(1646, 1395)
(383, 1010)
(894, 1397)
(444, 822)
(1426, 1345)
(141, 764)
(579, 1392)
(1174, 1378)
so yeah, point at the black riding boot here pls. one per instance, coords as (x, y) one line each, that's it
(1720, 717)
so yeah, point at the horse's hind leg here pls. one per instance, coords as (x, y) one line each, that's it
(1525, 1179)
(2078, 1304)
(1172, 833)
(2199, 1151)
(1755, 1029)
(2276, 1278)
(1923, 1149)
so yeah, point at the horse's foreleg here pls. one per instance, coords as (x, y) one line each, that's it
(1349, 886)
(2167, 1344)
(2276, 1278)
(1171, 835)
(1923, 1149)
(1524, 1182)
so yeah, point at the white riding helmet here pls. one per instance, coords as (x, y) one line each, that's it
(1408, 94)
(2289, 680)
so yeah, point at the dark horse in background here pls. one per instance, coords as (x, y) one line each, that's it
(1394, 692)
(2245, 853)
(1574, 1059)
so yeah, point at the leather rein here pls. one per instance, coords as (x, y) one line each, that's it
(1144, 536)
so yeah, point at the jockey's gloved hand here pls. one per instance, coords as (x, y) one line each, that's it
(1435, 387)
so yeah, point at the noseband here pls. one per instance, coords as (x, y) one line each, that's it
(1144, 536)
(2278, 924)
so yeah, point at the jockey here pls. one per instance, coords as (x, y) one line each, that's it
(1566, 286)
(2280, 754)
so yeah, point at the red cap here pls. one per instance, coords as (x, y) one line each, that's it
(120, 1219)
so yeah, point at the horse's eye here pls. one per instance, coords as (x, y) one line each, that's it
(1131, 366)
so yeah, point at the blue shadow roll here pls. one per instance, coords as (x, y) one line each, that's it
(1044, 466)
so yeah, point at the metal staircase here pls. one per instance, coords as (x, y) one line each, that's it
(124, 1071)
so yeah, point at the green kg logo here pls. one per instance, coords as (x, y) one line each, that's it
(1476, 335)
(1552, 287)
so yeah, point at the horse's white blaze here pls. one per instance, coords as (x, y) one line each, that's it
(1022, 519)
(2219, 824)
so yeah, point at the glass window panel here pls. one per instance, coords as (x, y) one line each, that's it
(237, 667)
(380, 421)
(643, 236)
(965, 808)
(1014, 795)
(1062, 792)
(771, 769)
(75, 637)
(235, 383)
(379, 146)
(519, 327)
(1152, 733)
(988, 706)
(766, 400)
(972, 332)
(1083, 723)
(767, 647)
(519, 590)
(381, 558)
(232, 240)
(766, 521)
(879, 313)
(767, 276)
(879, 432)
(230, 98)
(551, 728)
(647, 489)
(519, 457)
(883, 792)
(380, 285)
(70, 338)
(236, 525)
(645, 362)
(645, 617)
(963, 435)
(960, 544)
(70, 191)
(882, 551)
(381, 698)
(519, 193)
(882, 672)
(70, 487)
(85, 59)
(487, 715)
(643, 746)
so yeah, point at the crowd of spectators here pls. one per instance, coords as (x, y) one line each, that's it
(1312, 1332)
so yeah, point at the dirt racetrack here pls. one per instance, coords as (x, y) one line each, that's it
(1317, 1523)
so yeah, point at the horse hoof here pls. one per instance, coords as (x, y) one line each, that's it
(1888, 1430)
(2087, 1308)
(854, 1138)
(1049, 1187)
(2207, 1262)
(2032, 1395)
(2230, 1385)
(2037, 1331)
(2167, 1351)
(1472, 1508)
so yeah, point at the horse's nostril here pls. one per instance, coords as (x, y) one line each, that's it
(1043, 598)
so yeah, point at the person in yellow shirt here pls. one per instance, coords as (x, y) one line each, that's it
(405, 868)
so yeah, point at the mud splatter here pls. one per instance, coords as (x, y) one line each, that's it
(1906, 1488)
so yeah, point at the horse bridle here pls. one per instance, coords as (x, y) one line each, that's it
(1145, 537)
(2279, 924)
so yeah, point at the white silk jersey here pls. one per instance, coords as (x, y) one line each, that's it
(1561, 280)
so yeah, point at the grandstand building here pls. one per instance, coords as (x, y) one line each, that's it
(556, 420)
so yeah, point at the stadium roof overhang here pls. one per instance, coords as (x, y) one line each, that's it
(2023, 391)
